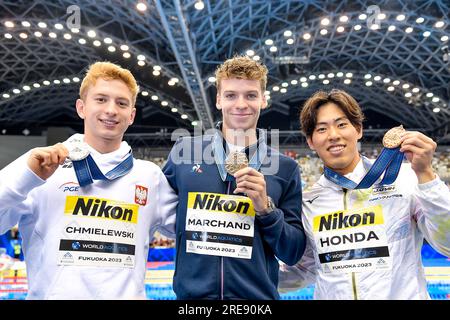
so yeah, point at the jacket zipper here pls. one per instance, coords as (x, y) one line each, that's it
(355, 293)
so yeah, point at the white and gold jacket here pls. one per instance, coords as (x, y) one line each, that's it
(366, 244)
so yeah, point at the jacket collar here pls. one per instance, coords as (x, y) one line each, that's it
(257, 151)
(356, 175)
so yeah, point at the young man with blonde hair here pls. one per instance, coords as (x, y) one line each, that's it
(86, 208)
(234, 218)
(365, 243)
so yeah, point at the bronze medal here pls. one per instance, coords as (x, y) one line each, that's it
(393, 137)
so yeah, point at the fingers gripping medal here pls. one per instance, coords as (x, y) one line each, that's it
(235, 162)
(393, 137)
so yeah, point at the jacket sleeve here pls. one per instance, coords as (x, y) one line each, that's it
(300, 275)
(167, 205)
(16, 182)
(282, 229)
(432, 213)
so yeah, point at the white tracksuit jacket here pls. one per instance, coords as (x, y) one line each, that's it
(373, 251)
(91, 242)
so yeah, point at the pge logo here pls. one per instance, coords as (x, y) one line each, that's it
(69, 187)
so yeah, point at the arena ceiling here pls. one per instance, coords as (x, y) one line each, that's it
(392, 57)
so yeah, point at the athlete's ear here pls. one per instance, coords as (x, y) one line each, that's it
(80, 108)
(310, 143)
(360, 132)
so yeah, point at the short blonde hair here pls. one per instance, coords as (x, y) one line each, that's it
(108, 71)
(242, 67)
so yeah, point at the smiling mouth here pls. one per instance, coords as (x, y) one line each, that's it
(336, 148)
(109, 122)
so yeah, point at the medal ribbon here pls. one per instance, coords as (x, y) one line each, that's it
(87, 170)
(389, 160)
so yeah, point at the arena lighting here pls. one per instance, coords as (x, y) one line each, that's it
(157, 68)
(287, 33)
(144, 93)
(304, 84)
(283, 90)
(269, 42)
(9, 24)
(362, 16)
(8, 36)
(194, 123)
(156, 73)
(439, 24)
(276, 88)
(38, 34)
(250, 53)
(126, 55)
(357, 27)
(59, 26)
(111, 49)
(26, 88)
(420, 20)
(82, 41)
(212, 79)
(199, 5)
(42, 25)
(141, 6)
(124, 47)
(164, 103)
(307, 36)
(325, 21)
(52, 35)
(391, 28)
(141, 63)
(343, 19)
(436, 110)
(400, 17)
(256, 58)
(26, 24)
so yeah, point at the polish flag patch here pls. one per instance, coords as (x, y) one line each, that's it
(140, 195)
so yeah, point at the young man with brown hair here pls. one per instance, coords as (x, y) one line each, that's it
(365, 243)
(86, 239)
(234, 219)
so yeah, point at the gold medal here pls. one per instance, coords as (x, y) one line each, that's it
(393, 137)
(235, 162)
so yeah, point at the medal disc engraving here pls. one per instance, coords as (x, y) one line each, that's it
(235, 162)
(393, 137)
(78, 150)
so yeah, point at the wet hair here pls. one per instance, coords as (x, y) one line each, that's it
(242, 67)
(348, 105)
(108, 71)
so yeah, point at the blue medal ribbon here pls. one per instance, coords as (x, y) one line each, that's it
(389, 161)
(87, 170)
